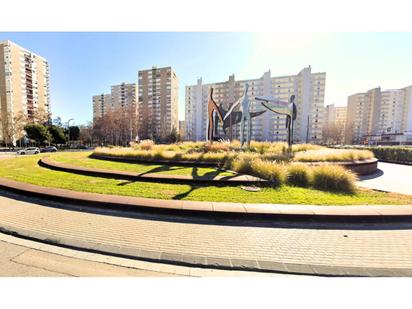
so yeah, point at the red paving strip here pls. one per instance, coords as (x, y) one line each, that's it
(236, 179)
(208, 207)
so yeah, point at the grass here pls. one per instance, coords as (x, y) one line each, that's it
(82, 159)
(26, 169)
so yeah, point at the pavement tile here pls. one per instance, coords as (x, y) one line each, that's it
(171, 257)
(298, 268)
(271, 265)
(244, 264)
(194, 259)
(218, 261)
(152, 255)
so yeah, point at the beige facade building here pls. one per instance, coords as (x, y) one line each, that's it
(122, 97)
(334, 124)
(335, 114)
(24, 87)
(308, 87)
(377, 113)
(158, 103)
(101, 104)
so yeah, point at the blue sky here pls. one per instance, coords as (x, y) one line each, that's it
(83, 64)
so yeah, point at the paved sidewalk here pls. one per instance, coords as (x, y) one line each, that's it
(389, 177)
(342, 249)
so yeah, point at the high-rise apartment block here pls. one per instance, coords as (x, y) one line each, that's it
(335, 115)
(308, 87)
(158, 103)
(376, 113)
(101, 104)
(123, 98)
(24, 87)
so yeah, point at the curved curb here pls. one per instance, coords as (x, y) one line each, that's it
(153, 161)
(364, 167)
(212, 208)
(236, 179)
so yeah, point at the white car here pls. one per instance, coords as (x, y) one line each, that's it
(30, 150)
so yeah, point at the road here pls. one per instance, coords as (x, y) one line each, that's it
(389, 177)
(26, 261)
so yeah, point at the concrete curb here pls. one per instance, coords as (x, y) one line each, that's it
(210, 208)
(236, 179)
(155, 161)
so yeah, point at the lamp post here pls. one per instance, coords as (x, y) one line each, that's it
(68, 128)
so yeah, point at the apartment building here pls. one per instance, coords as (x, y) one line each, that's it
(101, 105)
(24, 88)
(376, 113)
(335, 115)
(122, 97)
(158, 102)
(308, 87)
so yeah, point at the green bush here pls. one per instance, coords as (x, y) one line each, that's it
(393, 153)
(334, 178)
(299, 175)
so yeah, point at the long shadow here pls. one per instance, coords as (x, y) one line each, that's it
(195, 175)
(377, 174)
(226, 219)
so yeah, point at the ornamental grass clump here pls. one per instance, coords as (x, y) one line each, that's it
(272, 172)
(146, 144)
(334, 178)
(299, 175)
(333, 155)
(241, 163)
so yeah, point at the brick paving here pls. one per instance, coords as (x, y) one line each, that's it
(365, 249)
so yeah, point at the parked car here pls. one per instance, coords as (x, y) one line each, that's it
(49, 149)
(30, 150)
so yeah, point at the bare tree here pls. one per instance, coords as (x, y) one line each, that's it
(333, 133)
(13, 128)
(117, 127)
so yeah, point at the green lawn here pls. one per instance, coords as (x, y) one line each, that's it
(26, 169)
(83, 159)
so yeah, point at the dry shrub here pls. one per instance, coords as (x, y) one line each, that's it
(273, 172)
(299, 175)
(334, 178)
(333, 155)
(146, 144)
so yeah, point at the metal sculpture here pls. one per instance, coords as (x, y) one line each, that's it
(245, 117)
(234, 117)
(212, 111)
(282, 108)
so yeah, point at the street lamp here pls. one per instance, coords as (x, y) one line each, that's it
(68, 128)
